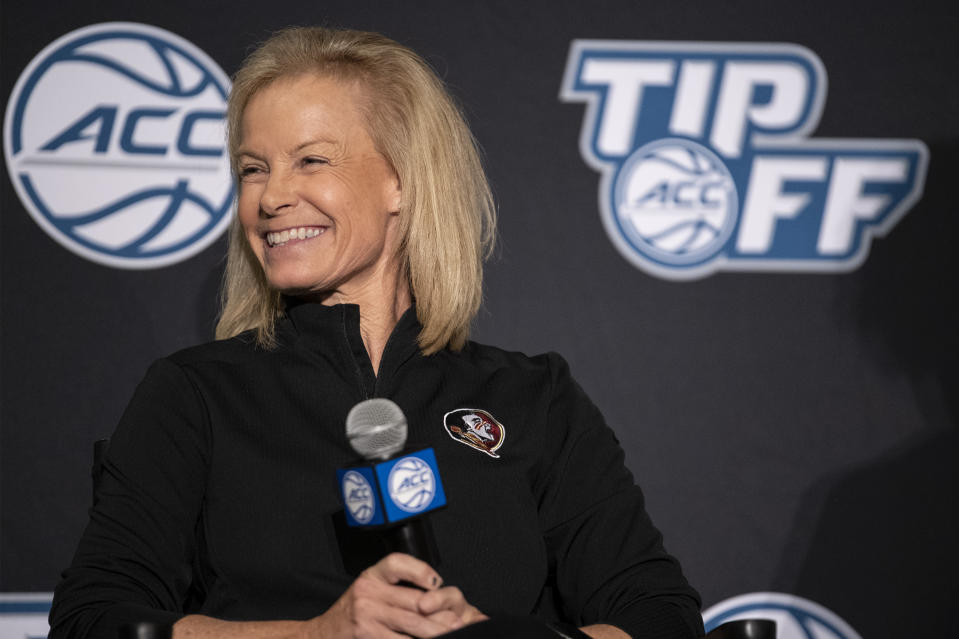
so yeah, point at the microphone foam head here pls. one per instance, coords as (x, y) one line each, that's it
(376, 428)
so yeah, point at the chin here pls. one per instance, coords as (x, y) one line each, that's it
(294, 286)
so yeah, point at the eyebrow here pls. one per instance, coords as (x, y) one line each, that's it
(299, 147)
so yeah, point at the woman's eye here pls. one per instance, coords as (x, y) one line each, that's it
(314, 160)
(247, 171)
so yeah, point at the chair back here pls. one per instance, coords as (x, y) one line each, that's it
(99, 452)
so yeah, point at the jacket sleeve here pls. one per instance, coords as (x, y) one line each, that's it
(134, 561)
(605, 555)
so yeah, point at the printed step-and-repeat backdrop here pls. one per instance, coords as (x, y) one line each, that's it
(735, 220)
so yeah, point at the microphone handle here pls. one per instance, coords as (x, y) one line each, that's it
(414, 537)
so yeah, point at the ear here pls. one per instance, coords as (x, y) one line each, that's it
(394, 193)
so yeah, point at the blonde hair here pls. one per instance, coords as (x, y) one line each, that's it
(447, 217)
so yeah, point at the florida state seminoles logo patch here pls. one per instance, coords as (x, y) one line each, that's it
(475, 428)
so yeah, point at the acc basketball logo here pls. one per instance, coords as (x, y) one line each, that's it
(475, 428)
(795, 617)
(114, 140)
(706, 164)
(358, 496)
(24, 615)
(411, 484)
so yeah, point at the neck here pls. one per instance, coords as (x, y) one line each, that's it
(377, 323)
(382, 301)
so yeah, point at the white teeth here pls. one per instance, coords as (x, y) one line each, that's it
(282, 237)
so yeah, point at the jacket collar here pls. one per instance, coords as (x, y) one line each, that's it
(335, 331)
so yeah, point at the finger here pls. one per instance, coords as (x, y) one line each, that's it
(377, 632)
(371, 588)
(397, 567)
(448, 598)
(474, 615)
(357, 618)
(376, 604)
(412, 623)
(447, 618)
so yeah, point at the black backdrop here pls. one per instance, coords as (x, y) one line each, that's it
(793, 432)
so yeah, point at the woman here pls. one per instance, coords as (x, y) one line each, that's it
(354, 270)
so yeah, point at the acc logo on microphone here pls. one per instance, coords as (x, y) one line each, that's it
(114, 140)
(412, 485)
(795, 617)
(358, 496)
(393, 490)
(475, 428)
(707, 165)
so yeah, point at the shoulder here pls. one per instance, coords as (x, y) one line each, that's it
(533, 377)
(237, 349)
(214, 363)
(546, 376)
(494, 358)
(548, 371)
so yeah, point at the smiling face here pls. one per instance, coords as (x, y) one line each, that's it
(318, 203)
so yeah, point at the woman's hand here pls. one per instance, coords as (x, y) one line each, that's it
(450, 606)
(376, 606)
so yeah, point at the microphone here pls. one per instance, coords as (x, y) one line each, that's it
(376, 428)
(392, 495)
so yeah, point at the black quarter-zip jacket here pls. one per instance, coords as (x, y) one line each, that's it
(219, 489)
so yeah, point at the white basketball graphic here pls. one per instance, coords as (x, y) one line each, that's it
(412, 485)
(24, 614)
(675, 201)
(358, 496)
(795, 617)
(115, 143)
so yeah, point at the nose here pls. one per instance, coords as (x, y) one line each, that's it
(279, 195)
